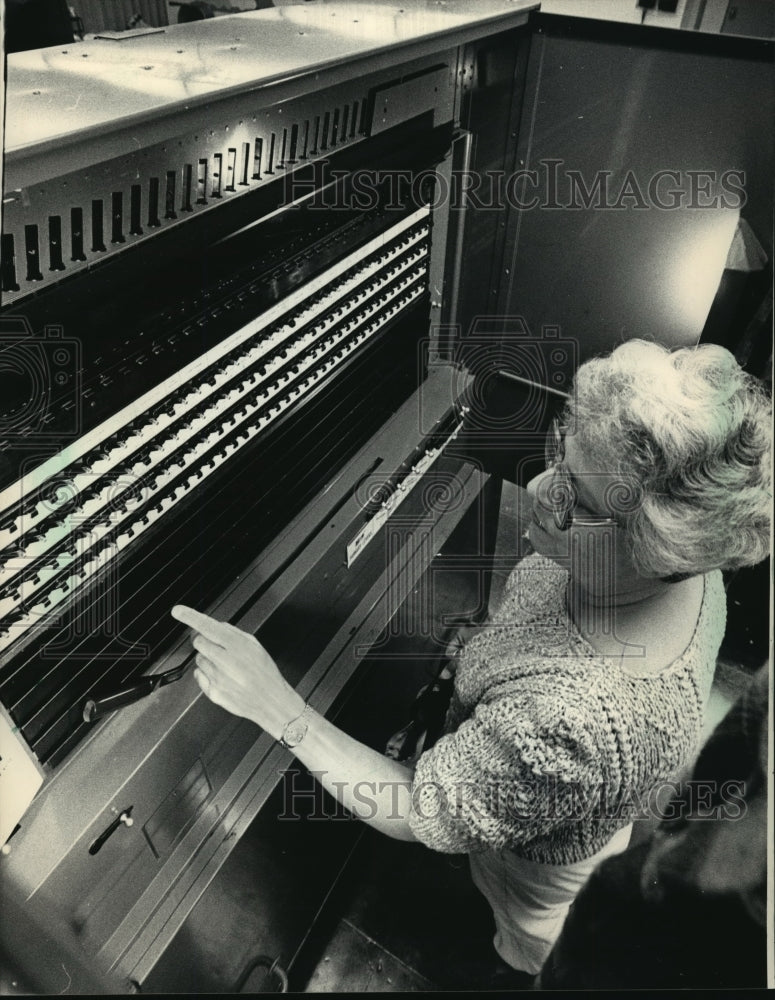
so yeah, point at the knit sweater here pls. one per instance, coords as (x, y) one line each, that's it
(550, 747)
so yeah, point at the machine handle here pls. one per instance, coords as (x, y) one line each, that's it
(95, 708)
(247, 982)
(123, 819)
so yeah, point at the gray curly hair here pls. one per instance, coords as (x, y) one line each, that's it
(692, 431)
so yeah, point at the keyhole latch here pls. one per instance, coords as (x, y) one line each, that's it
(124, 818)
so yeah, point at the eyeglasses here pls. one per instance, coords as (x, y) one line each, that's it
(561, 496)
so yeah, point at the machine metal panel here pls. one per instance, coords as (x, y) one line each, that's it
(135, 893)
(633, 147)
(55, 226)
(60, 93)
(367, 402)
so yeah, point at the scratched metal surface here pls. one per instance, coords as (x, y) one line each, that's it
(98, 84)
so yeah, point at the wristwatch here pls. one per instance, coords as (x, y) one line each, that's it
(296, 730)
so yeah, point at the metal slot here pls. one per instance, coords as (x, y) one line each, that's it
(153, 203)
(97, 227)
(76, 234)
(188, 178)
(169, 196)
(135, 207)
(257, 155)
(271, 154)
(117, 217)
(316, 137)
(305, 141)
(201, 182)
(231, 169)
(8, 256)
(217, 174)
(33, 253)
(150, 194)
(283, 149)
(55, 243)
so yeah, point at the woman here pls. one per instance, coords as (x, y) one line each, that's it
(587, 690)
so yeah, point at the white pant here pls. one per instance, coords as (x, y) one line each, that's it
(530, 901)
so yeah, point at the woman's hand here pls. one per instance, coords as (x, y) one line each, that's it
(235, 671)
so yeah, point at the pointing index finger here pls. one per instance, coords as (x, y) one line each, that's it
(204, 624)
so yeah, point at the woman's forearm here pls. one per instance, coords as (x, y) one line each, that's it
(237, 673)
(374, 788)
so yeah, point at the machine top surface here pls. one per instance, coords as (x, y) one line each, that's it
(61, 93)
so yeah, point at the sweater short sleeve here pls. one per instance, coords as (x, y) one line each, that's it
(515, 770)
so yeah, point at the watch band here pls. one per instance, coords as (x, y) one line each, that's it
(295, 730)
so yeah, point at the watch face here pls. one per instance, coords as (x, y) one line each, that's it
(294, 733)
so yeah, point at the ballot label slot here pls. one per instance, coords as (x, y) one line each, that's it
(397, 495)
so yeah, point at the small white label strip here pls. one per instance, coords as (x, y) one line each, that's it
(59, 462)
(133, 531)
(397, 497)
